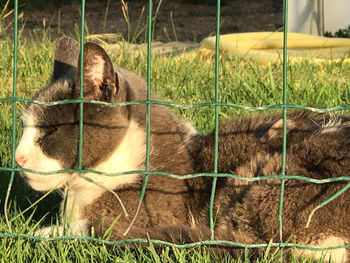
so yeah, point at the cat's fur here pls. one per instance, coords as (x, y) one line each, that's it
(114, 140)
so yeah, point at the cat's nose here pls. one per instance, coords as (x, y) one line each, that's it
(20, 159)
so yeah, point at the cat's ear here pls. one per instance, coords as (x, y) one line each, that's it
(66, 59)
(100, 80)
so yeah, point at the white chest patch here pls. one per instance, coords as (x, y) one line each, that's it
(129, 156)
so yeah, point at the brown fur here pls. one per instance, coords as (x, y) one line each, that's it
(247, 212)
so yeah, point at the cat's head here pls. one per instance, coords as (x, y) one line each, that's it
(50, 139)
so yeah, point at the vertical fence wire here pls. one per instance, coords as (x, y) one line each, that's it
(216, 145)
(14, 108)
(148, 114)
(81, 88)
(284, 142)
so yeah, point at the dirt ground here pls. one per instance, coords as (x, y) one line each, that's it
(176, 20)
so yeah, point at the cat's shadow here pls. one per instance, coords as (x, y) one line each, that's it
(22, 196)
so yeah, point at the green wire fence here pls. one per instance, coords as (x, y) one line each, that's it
(217, 104)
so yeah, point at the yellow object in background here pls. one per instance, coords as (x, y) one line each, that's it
(269, 45)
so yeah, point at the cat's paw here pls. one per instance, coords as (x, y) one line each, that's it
(50, 231)
(77, 228)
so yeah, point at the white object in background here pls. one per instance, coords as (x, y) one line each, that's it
(304, 16)
(336, 15)
(315, 17)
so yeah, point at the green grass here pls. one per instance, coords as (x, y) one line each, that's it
(177, 79)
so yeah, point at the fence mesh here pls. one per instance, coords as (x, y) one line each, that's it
(217, 104)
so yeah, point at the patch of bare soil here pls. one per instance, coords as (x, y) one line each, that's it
(176, 20)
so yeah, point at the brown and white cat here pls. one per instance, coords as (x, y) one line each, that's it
(114, 140)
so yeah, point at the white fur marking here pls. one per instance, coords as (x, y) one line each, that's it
(75, 228)
(333, 255)
(192, 219)
(334, 124)
(36, 160)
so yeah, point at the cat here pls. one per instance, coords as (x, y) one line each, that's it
(177, 210)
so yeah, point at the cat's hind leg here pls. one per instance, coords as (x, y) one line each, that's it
(321, 241)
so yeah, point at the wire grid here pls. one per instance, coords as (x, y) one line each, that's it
(13, 169)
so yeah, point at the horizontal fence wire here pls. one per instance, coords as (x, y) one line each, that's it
(169, 244)
(186, 176)
(183, 106)
(216, 103)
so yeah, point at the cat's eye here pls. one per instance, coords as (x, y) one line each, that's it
(46, 131)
